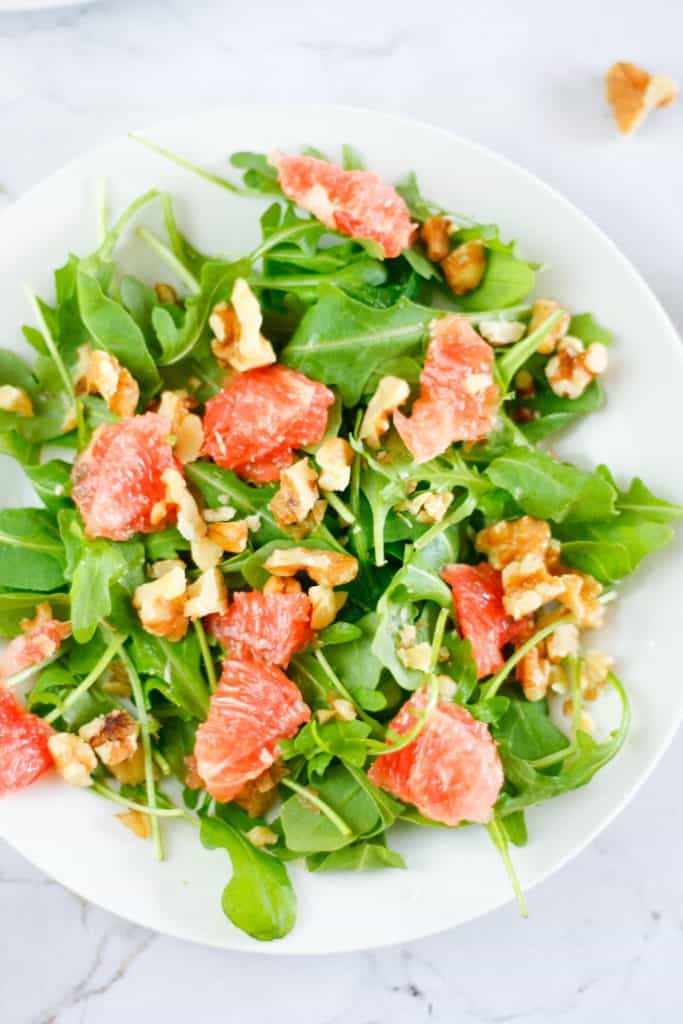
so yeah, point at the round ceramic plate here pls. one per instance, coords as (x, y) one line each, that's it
(40, 5)
(451, 877)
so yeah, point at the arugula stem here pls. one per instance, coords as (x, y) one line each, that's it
(461, 512)
(102, 210)
(490, 689)
(161, 762)
(169, 258)
(340, 507)
(324, 808)
(206, 654)
(106, 249)
(339, 686)
(437, 639)
(108, 655)
(215, 179)
(160, 812)
(516, 355)
(145, 736)
(500, 841)
(51, 343)
(405, 739)
(26, 673)
(283, 235)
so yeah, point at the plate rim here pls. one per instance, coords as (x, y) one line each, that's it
(673, 341)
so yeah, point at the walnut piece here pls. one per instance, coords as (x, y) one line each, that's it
(418, 656)
(325, 604)
(106, 377)
(297, 495)
(258, 795)
(633, 93)
(528, 585)
(541, 311)
(335, 458)
(184, 426)
(260, 836)
(191, 523)
(428, 507)
(15, 400)
(166, 294)
(329, 568)
(207, 595)
(573, 367)
(137, 822)
(464, 268)
(436, 235)
(132, 771)
(161, 604)
(113, 737)
(74, 759)
(391, 393)
(238, 341)
(501, 332)
(230, 537)
(512, 539)
(343, 710)
(282, 585)
(580, 595)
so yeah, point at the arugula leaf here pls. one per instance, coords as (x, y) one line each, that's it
(419, 208)
(639, 500)
(223, 487)
(52, 482)
(367, 856)
(585, 327)
(308, 831)
(355, 663)
(507, 280)
(259, 898)
(215, 285)
(341, 341)
(351, 159)
(555, 413)
(612, 550)
(31, 553)
(258, 174)
(178, 665)
(552, 490)
(526, 731)
(114, 329)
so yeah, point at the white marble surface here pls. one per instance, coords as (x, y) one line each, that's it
(605, 936)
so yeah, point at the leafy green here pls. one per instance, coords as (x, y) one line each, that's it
(585, 327)
(176, 669)
(52, 482)
(507, 280)
(365, 856)
(341, 341)
(526, 731)
(259, 898)
(552, 490)
(612, 550)
(31, 552)
(14, 607)
(307, 830)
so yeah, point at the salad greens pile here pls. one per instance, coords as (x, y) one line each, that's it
(338, 312)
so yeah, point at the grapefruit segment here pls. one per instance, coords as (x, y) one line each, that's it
(451, 772)
(458, 397)
(357, 203)
(117, 483)
(482, 619)
(259, 418)
(24, 754)
(41, 639)
(253, 707)
(271, 627)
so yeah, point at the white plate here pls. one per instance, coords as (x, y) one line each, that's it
(16, 6)
(451, 878)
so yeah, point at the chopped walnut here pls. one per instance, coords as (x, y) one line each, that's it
(185, 426)
(464, 268)
(428, 507)
(533, 672)
(207, 595)
(74, 759)
(562, 643)
(436, 235)
(191, 523)
(106, 377)
(541, 311)
(158, 569)
(282, 585)
(391, 393)
(418, 657)
(595, 670)
(113, 737)
(329, 568)
(222, 514)
(137, 822)
(230, 537)
(342, 709)
(131, 771)
(525, 385)
(325, 604)
(501, 332)
(15, 400)
(166, 294)
(633, 93)
(335, 457)
(528, 585)
(297, 495)
(447, 687)
(258, 795)
(511, 539)
(260, 836)
(580, 593)
(238, 341)
(573, 367)
(161, 605)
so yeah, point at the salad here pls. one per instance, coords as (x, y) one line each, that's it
(303, 565)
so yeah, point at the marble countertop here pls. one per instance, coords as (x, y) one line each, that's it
(605, 935)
